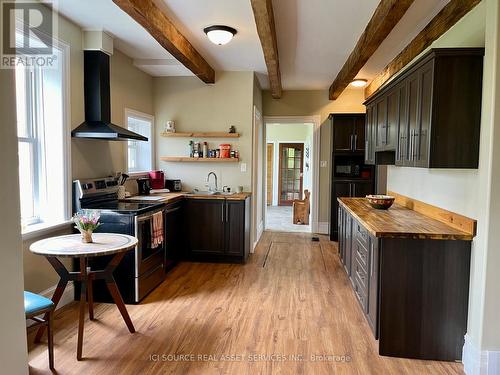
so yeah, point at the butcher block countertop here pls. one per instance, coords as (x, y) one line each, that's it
(400, 222)
(173, 197)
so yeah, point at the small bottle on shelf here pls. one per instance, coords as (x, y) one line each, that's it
(205, 150)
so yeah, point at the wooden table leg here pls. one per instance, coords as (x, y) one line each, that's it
(58, 293)
(83, 294)
(115, 293)
(90, 295)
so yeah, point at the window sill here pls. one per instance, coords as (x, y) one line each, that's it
(136, 175)
(37, 230)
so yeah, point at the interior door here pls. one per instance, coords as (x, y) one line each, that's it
(291, 172)
(269, 173)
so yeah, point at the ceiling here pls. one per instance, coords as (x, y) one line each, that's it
(315, 37)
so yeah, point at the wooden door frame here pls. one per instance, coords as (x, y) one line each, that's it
(270, 202)
(280, 152)
(316, 227)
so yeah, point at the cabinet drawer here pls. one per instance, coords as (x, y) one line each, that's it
(361, 254)
(362, 235)
(360, 294)
(360, 275)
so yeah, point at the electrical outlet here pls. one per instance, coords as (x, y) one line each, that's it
(323, 163)
(243, 167)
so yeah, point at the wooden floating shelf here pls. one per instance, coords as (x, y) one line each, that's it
(202, 135)
(203, 160)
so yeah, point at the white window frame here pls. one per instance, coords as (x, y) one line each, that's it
(40, 228)
(133, 113)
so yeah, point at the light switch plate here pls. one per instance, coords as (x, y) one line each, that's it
(323, 163)
(243, 167)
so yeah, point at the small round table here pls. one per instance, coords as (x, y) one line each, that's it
(71, 246)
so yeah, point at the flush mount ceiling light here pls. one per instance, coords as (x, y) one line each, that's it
(359, 82)
(219, 34)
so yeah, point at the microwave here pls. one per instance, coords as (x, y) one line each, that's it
(347, 170)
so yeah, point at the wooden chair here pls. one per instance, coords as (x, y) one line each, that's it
(35, 305)
(301, 209)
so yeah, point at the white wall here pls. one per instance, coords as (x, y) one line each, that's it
(468, 192)
(290, 133)
(13, 350)
(196, 106)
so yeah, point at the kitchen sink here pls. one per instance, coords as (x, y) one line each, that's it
(205, 192)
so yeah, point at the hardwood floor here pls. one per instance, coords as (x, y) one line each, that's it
(291, 299)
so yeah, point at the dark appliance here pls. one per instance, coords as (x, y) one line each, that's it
(142, 269)
(97, 124)
(173, 185)
(351, 177)
(144, 186)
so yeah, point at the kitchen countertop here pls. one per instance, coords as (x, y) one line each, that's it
(173, 197)
(400, 222)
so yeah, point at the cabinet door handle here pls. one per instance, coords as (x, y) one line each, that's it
(353, 190)
(355, 141)
(222, 211)
(227, 212)
(351, 143)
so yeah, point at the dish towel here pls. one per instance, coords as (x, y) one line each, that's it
(157, 230)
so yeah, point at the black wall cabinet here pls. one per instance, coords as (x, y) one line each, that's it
(430, 115)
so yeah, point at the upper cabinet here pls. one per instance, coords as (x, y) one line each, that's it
(430, 115)
(349, 133)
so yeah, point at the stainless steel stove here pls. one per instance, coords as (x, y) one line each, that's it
(142, 269)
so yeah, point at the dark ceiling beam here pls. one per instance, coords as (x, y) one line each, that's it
(264, 20)
(385, 17)
(149, 16)
(442, 22)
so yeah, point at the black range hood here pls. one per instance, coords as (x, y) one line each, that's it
(97, 124)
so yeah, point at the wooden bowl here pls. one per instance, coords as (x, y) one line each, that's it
(380, 202)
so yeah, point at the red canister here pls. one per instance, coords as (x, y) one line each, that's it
(157, 179)
(225, 150)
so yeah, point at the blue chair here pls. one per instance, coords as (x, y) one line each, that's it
(34, 306)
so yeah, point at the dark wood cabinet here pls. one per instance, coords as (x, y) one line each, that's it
(373, 298)
(347, 189)
(174, 248)
(348, 132)
(430, 115)
(204, 222)
(408, 289)
(370, 133)
(217, 229)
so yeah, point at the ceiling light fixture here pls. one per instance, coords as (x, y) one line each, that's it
(219, 34)
(359, 82)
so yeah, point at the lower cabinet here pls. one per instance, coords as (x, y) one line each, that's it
(412, 291)
(359, 255)
(217, 229)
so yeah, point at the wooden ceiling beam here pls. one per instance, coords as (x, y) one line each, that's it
(442, 22)
(264, 20)
(149, 16)
(385, 17)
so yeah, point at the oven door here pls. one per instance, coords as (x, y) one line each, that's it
(147, 257)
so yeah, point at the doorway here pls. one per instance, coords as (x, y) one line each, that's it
(291, 171)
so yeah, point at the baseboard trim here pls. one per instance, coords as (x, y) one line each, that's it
(479, 362)
(323, 227)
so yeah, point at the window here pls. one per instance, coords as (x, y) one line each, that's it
(140, 153)
(42, 143)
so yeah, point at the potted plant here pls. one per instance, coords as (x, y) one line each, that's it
(87, 221)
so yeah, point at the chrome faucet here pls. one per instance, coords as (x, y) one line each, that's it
(208, 181)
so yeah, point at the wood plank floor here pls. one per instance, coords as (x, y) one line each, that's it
(290, 302)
